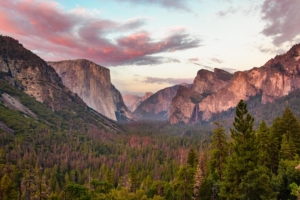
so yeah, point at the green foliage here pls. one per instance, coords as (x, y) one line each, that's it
(263, 141)
(291, 128)
(192, 158)
(69, 151)
(184, 185)
(244, 158)
(219, 153)
(7, 188)
(70, 155)
(295, 190)
(256, 184)
(75, 191)
(288, 149)
(287, 174)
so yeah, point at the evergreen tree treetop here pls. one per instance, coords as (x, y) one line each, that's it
(245, 155)
(243, 123)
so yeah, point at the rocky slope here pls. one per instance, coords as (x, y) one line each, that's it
(92, 83)
(277, 78)
(184, 106)
(30, 73)
(133, 101)
(23, 71)
(157, 106)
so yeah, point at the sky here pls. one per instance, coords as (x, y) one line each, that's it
(152, 44)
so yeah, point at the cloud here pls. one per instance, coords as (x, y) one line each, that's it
(44, 27)
(171, 81)
(201, 65)
(195, 61)
(169, 4)
(217, 60)
(230, 10)
(270, 49)
(151, 60)
(230, 70)
(282, 20)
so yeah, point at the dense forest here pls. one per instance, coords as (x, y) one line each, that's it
(59, 155)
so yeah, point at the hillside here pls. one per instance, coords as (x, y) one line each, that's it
(277, 78)
(92, 83)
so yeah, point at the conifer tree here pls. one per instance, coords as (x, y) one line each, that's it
(263, 141)
(7, 188)
(133, 179)
(219, 152)
(244, 156)
(184, 185)
(275, 144)
(192, 158)
(288, 149)
(291, 128)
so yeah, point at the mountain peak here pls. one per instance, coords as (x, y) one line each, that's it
(92, 83)
(29, 72)
(219, 90)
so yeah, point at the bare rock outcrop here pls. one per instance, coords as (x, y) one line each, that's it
(133, 101)
(146, 96)
(27, 71)
(184, 106)
(157, 106)
(92, 83)
(277, 78)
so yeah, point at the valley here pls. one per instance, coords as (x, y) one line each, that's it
(66, 132)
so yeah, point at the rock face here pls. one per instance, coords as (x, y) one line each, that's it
(92, 83)
(277, 78)
(157, 106)
(146, 96)
(184, 106)
(133, 101)
(30, 73)
(15, 104)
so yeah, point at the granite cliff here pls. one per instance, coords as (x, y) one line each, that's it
(28, 72)
(277, 78)
(157, 106)
(92, 83)
(133, 101)
(184, 107)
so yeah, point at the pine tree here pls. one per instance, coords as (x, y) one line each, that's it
(291, 128)
(219, 152)
(133, 179)
(256, 184)
(275, 139)
(192, 158)
(184, 184)
(263, 141)
(244, 156)
(7, 188)
(288, 149)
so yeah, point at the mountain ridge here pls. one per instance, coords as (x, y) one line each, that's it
(92, 83)
(276, 78)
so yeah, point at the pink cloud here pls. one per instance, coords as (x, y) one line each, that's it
(56, 34)
(282, 18)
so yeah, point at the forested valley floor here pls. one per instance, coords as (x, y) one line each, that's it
(61, 156)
